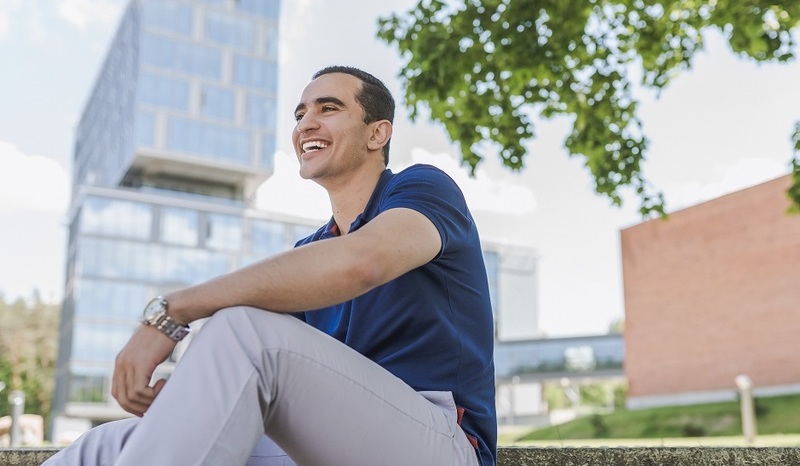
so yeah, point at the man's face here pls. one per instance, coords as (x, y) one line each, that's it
(330, 137)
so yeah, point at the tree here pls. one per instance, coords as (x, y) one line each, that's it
(28, 345)
(485, 68)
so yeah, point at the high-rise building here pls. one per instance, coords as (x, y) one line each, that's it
(176, 136)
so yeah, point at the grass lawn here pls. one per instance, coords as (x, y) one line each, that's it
(689, 425)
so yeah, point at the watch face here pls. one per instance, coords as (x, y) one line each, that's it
(155, 306)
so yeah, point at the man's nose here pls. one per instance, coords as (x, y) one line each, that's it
(307, 123)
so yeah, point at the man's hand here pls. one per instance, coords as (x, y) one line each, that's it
(134, 368)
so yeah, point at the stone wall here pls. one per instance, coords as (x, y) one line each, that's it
(527, 456)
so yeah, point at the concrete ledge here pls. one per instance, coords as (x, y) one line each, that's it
(527, 456)
(648, 456)
(25, 456)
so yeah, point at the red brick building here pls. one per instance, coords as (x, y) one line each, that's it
(711, 293)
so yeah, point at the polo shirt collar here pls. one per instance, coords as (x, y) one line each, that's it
(370, 210)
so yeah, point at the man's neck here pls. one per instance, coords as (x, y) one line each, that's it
(349, 197)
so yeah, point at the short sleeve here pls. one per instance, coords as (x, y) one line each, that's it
(431, 192)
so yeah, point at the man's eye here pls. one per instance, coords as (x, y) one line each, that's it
(328, 108)
(298, 116)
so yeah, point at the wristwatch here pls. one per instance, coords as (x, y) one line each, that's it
(155, 315)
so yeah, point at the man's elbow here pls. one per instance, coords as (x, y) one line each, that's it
(368, 271)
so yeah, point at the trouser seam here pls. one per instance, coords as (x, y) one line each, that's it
(366, 388)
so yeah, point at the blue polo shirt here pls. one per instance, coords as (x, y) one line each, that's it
(431, 327)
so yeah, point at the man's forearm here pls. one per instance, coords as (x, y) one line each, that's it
(312, 276)
(319, 274)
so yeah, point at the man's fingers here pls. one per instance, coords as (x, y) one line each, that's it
(134, 368)
(131, 389)
(158, 386)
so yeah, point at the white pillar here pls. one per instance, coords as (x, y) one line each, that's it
(747, 406)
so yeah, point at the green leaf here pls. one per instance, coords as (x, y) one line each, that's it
(483, 69)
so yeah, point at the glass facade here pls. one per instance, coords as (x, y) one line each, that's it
(196, 78)
(129, 251)
(178, 127)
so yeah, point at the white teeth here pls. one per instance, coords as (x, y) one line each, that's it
(313, 145)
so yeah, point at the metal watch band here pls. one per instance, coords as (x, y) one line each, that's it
(155, 315)
(169, 327)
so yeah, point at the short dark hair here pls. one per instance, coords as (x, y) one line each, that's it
(374, 97)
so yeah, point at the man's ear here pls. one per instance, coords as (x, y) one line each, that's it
(380, 135)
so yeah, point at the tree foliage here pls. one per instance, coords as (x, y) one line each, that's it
(28, 345)
(486, 68)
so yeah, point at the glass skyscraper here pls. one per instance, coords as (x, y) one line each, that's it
(176, 136)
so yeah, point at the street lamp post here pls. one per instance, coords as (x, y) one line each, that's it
(17, 401)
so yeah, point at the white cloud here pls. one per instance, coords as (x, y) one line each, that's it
(743, 174)
(4, 24)
(36, 30)
(5, 17)
(31, 182)
(498, 194)
(84, 13)
(285, 192)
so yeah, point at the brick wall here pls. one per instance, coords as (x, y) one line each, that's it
(713, 292)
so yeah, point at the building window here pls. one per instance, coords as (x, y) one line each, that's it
(268, 152)
(88, 386)
(163, 52)
(218, 102)
(266, 237)
(579, 358)
(164, 92)
(227, 30)
(146, 129)
(114, 217)
(265, 8)
(104, 298)
(271, 41)
(223, 232)
(179, 226)
(170, 16)
(261, 111)
(299, 232)
(97, 342)
(222, 143)
(252, 72)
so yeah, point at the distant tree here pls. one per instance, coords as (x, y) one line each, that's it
(28, 345)
(794, 190)
(485, 68)
(617, 326)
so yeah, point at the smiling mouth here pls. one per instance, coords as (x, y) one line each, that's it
(312, 146)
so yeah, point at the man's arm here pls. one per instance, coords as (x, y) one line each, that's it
(316, 275)
(319, 274)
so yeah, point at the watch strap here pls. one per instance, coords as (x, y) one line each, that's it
(155, 315)
(168, 326)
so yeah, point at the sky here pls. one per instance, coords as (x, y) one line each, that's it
(719, 127)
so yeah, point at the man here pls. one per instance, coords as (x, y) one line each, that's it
(397, 275)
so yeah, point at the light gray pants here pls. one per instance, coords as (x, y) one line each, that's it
(251, 372)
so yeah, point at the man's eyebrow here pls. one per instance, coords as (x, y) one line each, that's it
(329, 100)
(321, 101)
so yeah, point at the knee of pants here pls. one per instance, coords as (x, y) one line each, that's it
(269, 328)
(111, 433)
(238, 317)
